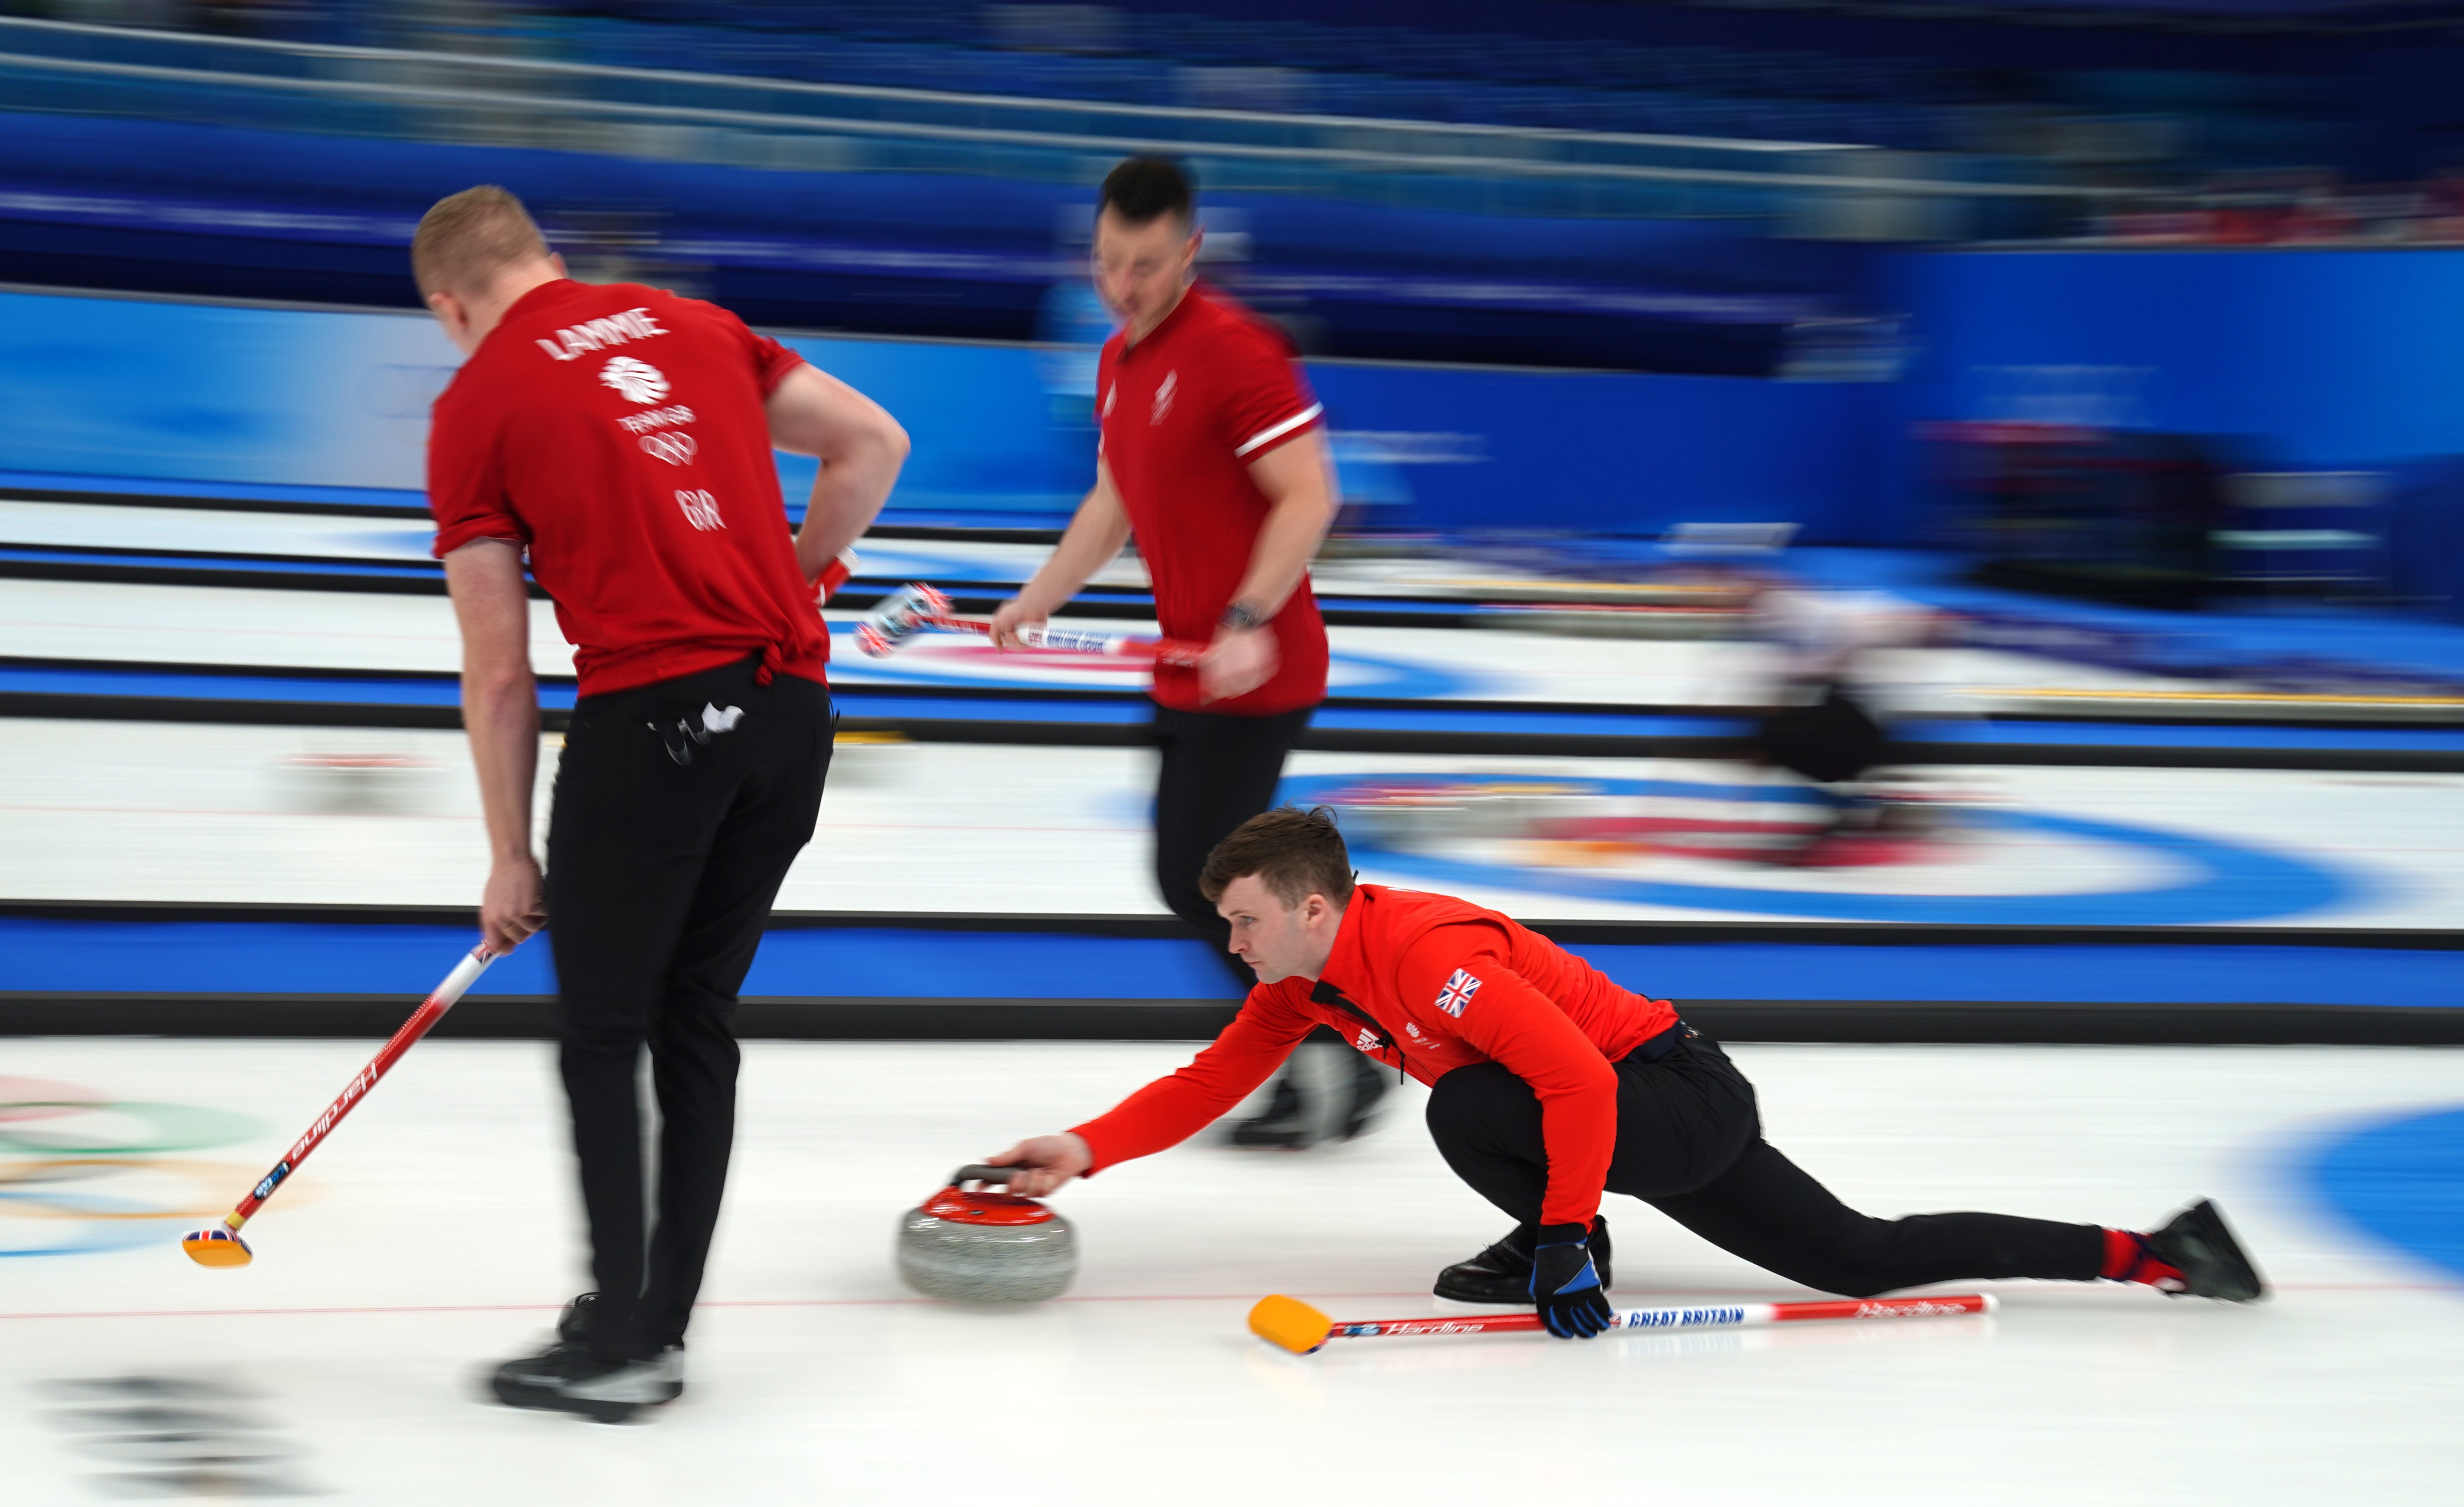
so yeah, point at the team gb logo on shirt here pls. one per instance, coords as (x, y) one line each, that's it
(638, 382)
(1163, 395)
(1458, 993)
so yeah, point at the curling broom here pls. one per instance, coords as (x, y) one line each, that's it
(220, 1245)
(1296, 1326)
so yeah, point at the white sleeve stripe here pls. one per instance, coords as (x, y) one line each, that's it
(1276, 432)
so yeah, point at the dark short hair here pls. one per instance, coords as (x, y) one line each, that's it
(1294, 853)
(1144, 189)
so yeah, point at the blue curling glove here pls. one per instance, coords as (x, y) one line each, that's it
(1565, 1287)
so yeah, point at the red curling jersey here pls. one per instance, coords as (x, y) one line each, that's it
(618, 433)
(1427, 983)
(1182, 414)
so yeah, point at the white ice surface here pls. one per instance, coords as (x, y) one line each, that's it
(213, 531)
(437, 1231)
(314, 630)
(201, 811)
(326, 630)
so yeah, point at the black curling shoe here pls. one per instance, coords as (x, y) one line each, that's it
(2202, 1248)
(1502, 1274)
(569, 1377)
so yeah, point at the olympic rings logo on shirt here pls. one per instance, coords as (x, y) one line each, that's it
(676, 449)
(80, 1173)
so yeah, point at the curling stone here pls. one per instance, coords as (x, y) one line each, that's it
(985, 1247)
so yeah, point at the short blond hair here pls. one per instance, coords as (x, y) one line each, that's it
(465, 239)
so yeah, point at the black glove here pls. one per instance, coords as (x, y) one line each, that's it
(1565, 1288)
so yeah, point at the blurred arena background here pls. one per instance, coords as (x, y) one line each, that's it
(2076, 386)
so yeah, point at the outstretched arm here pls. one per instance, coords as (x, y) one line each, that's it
(1172, 1108)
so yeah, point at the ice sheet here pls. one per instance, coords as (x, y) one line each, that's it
(201, 811)
(437, 1231)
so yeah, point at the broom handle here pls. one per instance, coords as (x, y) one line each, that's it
(430, 1011)
(1710, 1316)
(1079, 641)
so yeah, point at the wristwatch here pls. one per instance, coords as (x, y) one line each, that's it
(1241, 617)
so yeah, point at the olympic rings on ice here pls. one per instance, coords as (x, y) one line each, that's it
(40, 1099)
(58, 1140)
(159, 1127)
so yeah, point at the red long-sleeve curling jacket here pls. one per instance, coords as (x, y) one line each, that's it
(1427, 983)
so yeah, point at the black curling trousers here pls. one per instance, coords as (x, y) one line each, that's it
(1217, 772)
(670, 833)
(1689, 1144)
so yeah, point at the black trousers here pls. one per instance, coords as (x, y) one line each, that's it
(1689, 1144)
(1217, 772)
(666, 845)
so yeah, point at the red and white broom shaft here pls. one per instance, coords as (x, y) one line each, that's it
(1707, 1316)
(430, 1011)
(1078, 640)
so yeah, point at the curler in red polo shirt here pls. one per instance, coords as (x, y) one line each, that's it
(618, 433)
(1183, 413)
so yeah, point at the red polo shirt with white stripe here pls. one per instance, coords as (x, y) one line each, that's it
(619, 434)
(1183, 413)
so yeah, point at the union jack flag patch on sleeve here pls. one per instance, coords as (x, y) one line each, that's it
(1458, 993)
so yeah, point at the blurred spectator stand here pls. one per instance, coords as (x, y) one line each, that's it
(2308, 534)
(2118, 516)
